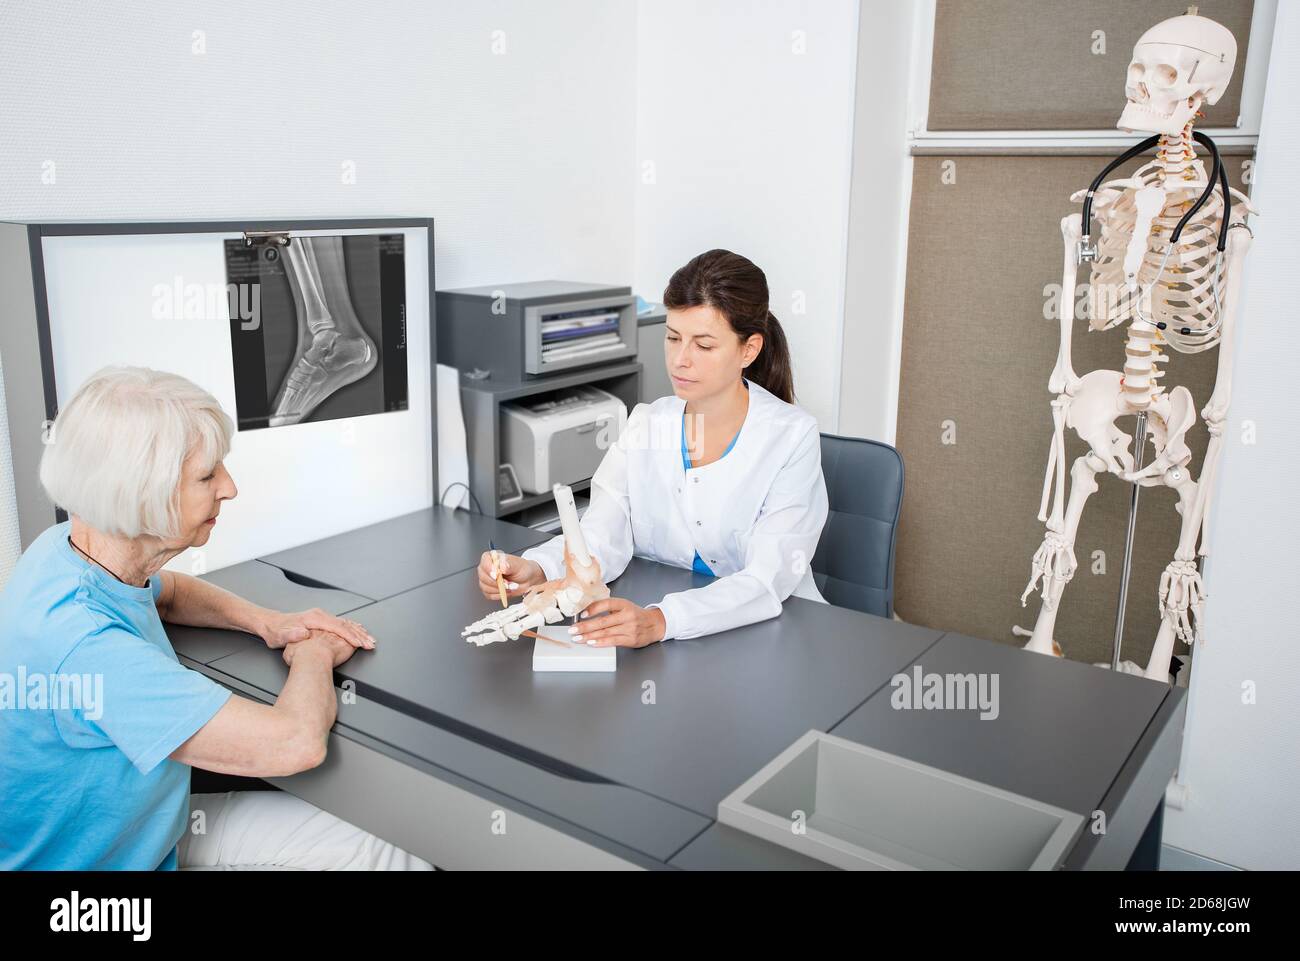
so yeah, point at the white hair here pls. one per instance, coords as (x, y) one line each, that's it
(118, 446)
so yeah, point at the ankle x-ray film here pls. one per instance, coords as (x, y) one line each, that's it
(317, 328)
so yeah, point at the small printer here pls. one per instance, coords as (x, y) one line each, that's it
(559, 437)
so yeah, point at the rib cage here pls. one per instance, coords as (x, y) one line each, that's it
(1184, 295)
(1174, 290)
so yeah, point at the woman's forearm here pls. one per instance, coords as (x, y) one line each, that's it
(308, 693)
(197, 603)
(732, 601)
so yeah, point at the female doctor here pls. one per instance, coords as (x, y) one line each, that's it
(723, 477)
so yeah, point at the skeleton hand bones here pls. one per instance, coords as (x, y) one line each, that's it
(1182, 599)
(1054, 562)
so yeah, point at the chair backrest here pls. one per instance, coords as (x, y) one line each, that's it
(854, 563)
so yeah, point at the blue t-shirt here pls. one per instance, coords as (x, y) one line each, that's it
(698, 565)
(92, 702)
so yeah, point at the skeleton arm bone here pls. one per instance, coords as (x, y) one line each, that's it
(1215, 411)
(1241, 200)
(1055, 468)
(1063, 378)
(1182, 592)
(1063, 381)
(1239, 240)
(1054, 562)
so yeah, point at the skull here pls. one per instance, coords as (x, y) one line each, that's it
(1177, 65)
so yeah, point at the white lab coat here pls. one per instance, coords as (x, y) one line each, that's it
(755, 515)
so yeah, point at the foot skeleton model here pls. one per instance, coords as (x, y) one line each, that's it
(1168, 263)
(552, 601)
(333, 349)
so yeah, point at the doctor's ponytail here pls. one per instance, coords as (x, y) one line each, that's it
(737, 289)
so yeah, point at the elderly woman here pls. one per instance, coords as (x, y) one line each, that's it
(105, 783)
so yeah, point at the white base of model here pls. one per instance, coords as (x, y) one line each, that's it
(555, 651)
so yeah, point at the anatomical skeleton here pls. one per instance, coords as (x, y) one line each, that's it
(551, 602)
(1168, 263)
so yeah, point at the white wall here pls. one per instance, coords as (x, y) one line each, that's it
(743, 142)
(523, 128)
(510, 122)
(878, 205)
(524, 158)
(1241, 762)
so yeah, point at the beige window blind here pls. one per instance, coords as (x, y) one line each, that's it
(976, 354)
(1018, 65)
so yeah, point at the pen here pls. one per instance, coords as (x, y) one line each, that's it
(501, 581)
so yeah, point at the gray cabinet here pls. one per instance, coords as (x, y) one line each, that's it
(481, 406)
(650, 333)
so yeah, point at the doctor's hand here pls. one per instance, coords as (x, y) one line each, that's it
(520, 575)
(617, 622)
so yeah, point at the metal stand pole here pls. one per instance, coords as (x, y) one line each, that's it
(1139, 454)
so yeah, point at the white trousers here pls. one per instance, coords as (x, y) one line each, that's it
(272, 830)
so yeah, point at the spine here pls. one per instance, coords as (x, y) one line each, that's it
(1142, 365)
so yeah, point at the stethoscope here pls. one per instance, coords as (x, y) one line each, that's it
(1186, 340)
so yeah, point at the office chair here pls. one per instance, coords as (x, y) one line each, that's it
(854, 563)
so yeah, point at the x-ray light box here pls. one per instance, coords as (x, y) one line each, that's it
(341, 454)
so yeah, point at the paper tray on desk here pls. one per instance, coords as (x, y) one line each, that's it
(865, 809)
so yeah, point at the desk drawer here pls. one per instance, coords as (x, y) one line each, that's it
(404, 779)
(447, 825)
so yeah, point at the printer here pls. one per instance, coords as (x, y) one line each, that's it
(520, 332)
(559, 437)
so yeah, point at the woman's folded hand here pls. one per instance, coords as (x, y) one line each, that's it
(281, 628)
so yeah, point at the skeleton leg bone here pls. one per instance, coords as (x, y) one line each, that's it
(1054, 561)
(333, 348)
(1091, 413)
(304, 269)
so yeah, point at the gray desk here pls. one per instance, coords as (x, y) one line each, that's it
(267, 586)
(387, 558)
(438, 742)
